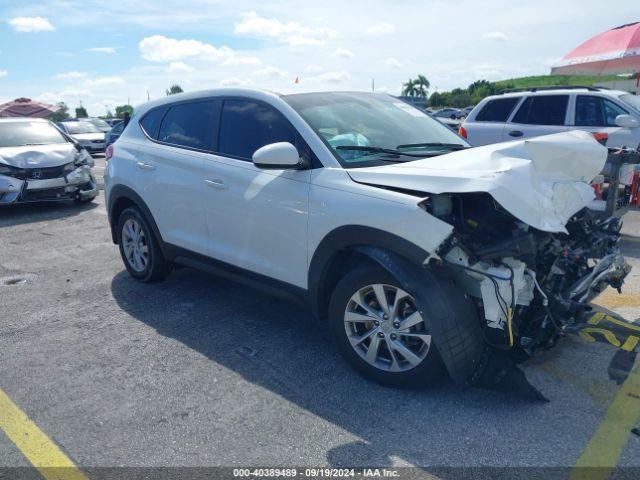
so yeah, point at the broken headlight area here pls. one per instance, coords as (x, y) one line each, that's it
(531, 286)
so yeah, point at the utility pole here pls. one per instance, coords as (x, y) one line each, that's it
(147, 94)
(373, 84)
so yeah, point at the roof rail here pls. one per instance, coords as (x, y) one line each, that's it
(554, 87)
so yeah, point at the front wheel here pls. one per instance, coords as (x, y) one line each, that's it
(378, 329)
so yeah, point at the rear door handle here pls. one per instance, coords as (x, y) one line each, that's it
(145, 166)
(219, 184)
(515, 133)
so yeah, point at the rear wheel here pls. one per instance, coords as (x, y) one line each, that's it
(139, 249)
(379, 330)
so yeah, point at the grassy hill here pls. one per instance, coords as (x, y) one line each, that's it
(551, 80)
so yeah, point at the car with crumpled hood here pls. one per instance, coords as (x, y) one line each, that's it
(422, 255)
(38, 162)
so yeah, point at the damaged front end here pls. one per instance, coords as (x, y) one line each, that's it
(531, 286)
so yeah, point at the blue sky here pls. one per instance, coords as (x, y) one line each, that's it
(104, 53)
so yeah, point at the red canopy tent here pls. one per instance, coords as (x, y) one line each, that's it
(616, 51)
(25, 107)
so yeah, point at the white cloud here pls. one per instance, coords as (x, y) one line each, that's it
(392, 62)
(31, 24)
(292, 33)
(498, 36)
(179, 67)
(3, 73)
(270, 71)
(313, 68)
(99, 82)
(380, 29)
(159, 48)
(330, 77)
(233, 82)
(101, 50)
(343, 53)
(70, 75)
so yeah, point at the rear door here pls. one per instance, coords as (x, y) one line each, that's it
(488, 124)
(170, 169)
(538, 115)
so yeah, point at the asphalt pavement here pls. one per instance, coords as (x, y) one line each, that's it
(200, 371)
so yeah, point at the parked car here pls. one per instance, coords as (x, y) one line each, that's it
(113, 134)
(101, 124)
(86, 134)
(417, 250)
(452, 113)
(113, 121)
(40, 163)
(467, 110)
(541, 111)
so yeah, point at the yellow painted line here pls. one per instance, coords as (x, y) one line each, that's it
(605, 447)
(34, 444)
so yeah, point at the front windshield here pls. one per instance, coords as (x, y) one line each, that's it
(17, 134)
(367, 121)
(81, 127)
(631, 99)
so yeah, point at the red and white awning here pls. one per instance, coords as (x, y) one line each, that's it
(25, 107)
(616, 51)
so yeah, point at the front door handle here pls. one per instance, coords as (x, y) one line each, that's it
(145, 166)
(219, 184)
(515, 133)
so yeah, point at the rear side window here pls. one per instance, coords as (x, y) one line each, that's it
(247, 125)
(596, 112)
(497, 110)
(150, 123)
(543, 110)
(191, 125)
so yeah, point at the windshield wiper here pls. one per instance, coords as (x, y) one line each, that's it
(449, 146)
(389, 151)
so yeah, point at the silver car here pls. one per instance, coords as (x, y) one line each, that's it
(40, 163)
(86, 134)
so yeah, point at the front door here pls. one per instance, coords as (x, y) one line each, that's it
(257, 219)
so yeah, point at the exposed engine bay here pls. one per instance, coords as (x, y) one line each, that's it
(530, 285)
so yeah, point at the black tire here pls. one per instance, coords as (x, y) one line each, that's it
(425, 373)
(157, 267)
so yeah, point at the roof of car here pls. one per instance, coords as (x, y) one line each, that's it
(557, 90)
(22, 119)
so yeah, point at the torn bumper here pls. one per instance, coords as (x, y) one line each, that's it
(77, 184)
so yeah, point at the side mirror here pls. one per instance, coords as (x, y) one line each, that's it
(627, 121)
(277, 156)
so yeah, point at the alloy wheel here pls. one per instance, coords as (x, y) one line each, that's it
(385, 328)
(135, 245)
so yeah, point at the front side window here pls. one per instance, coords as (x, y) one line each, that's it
(592, 111)
(247, 125)
(191, 125)
(369, 121)
(18, 134)
(497, 110)
(543, 110)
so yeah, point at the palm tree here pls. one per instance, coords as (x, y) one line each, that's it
(422, 86)
(409, 88)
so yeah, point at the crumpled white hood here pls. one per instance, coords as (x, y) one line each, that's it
(38, 156)
(542, 181)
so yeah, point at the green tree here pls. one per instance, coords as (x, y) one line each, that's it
(409, 89)
(422, 86)
(61, 114)
(173, 89)
(120, 109)
(81, 112)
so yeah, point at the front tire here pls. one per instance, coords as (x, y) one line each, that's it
(377, 328)
(139, 248)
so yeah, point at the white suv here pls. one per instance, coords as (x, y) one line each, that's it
(541, 111)
(420, 252)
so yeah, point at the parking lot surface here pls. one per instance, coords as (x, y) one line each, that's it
(201, 371)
